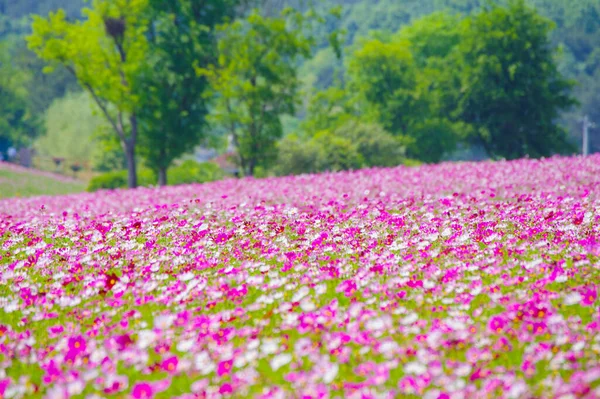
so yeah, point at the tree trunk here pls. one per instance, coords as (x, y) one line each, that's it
(131, 168)
(130, 153)
(162, 176)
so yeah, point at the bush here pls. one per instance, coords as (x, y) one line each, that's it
(118, 179)
(185, 173)
(354, 145)
(375, 145)
(297, 156)
(193, 172)
(337, 153)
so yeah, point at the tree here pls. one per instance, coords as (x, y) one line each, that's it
(255, 81)
(181, 37)
(18, 124)
(407, 86)
(70, 129)
(512, 91)
(106, 53)
(385, 74)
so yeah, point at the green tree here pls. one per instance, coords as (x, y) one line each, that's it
(385, 74)
(172, 115)
(408, 92)
(71, 126)
(106, 53)
(18, 124)
(512, 91)
(331, 108)
(256, 82)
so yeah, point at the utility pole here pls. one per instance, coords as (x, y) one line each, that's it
(587, 124)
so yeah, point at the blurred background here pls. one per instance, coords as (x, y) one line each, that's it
(125, 93)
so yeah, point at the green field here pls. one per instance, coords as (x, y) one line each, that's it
(25, 184)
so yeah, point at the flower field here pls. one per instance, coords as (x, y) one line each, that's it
(465, 280)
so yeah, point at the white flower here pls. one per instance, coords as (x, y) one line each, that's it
(415, 368)
(306, 305)
(203, 363)
(280, 360)
(573, 298)
(269, 346)
(163, 322)
(463, 370)
(411, 318)
(301, 293)
(375, 324)
(331, 373)
(186, 276)
(145, 338)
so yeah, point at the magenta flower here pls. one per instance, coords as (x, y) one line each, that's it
(4, 383)
(77, 345)
(170, 365)
(142, 390)
(496, 324)
(224, 367)
(226, 389)
(589, 296)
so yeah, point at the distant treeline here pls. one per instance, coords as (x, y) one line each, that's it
(304, 89)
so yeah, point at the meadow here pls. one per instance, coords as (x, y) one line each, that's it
(458, 280)
(17, 181)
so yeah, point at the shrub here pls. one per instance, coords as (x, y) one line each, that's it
(338, 153)
(297, 156)
(354, 145)
(375, 145)
(118, 179)
(193, 172)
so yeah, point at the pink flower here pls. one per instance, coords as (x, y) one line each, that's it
(528, 368)
(77, 345)
(224, 367)
(497, 324)
(170, 365)
(4, 383)
(142, 390)
(54, 331)
(226, 389)
(589, 296)
(52, 372)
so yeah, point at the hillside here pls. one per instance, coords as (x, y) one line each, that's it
(458, 280)
(22, 182)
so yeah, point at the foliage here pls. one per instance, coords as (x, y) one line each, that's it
(173, 105)
(193, 172)
(331, 108)
(375, 145)
(70, 128)
(255, 81)
(187, 172)
(296, 155)
(105, 52)
(512, 91)
(352, 145)
(409, 91)
(118, 179)
(18, 124)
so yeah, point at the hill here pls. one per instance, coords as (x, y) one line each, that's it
(430, 282)
(22, 182)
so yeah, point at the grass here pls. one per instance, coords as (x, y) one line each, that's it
(15, 183)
